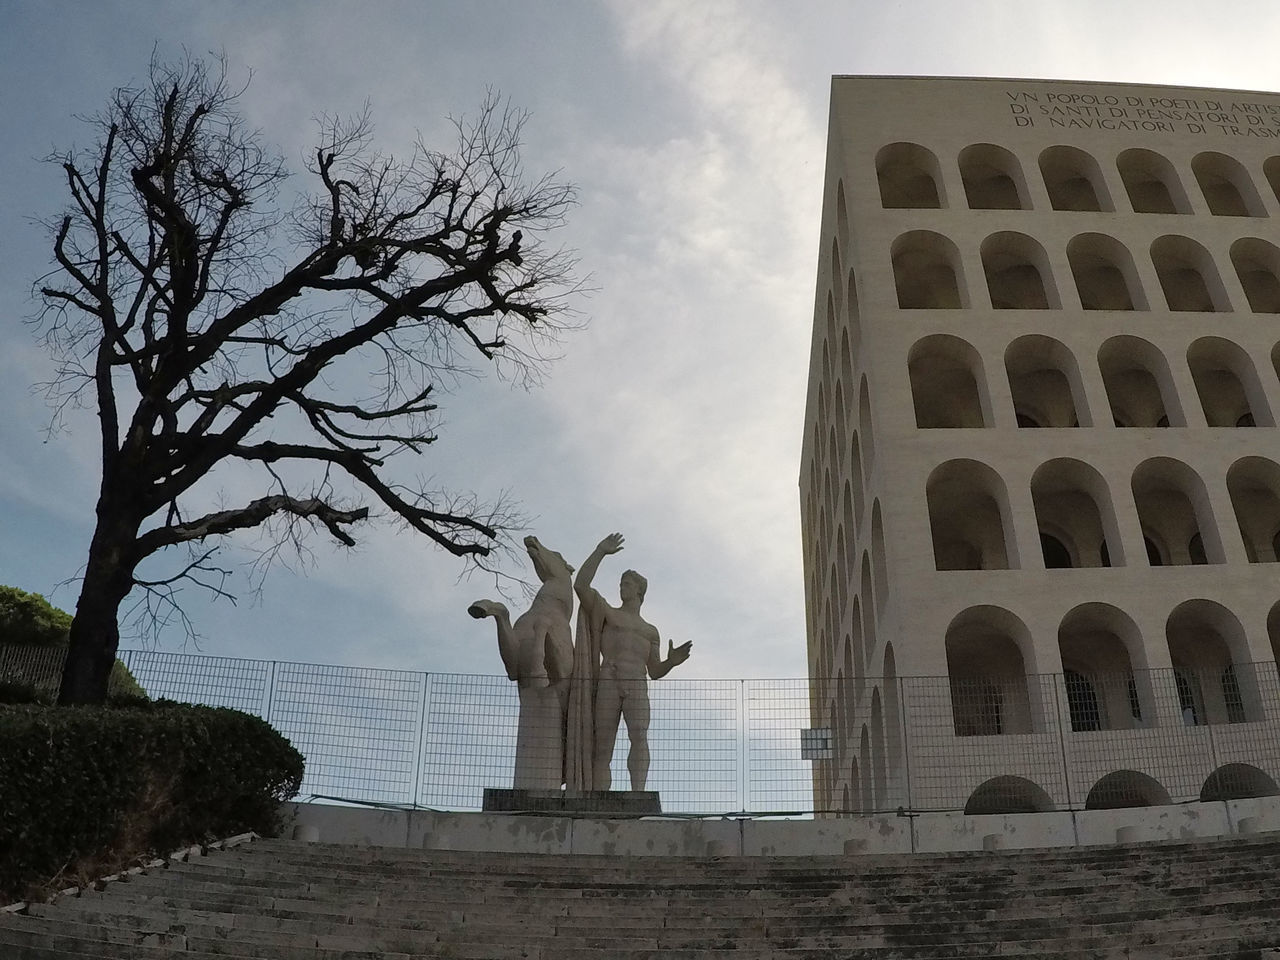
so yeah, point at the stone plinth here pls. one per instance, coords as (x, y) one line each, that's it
(613, 803)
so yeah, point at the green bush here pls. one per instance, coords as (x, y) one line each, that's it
(29, 620)
(85, 790)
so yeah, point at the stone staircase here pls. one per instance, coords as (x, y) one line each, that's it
(310, 901)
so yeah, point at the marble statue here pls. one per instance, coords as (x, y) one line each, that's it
(537, 651)
(617, 648)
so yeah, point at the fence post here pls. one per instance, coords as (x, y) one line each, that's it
(1062, 735)
(906, 740)
(271, 691)
(422, 739)
(741, 725)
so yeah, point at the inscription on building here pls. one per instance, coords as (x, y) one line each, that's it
(1072, 110)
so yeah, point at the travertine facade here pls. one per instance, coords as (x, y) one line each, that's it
(1041, 458)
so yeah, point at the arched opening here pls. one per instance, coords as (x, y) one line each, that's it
(878, 780)
(852, 310)
(1271, 170)
(1139, 385)
(1227, 384)
(1151, 183)
(855, 481)
(1226, 185)
(969, 517)
(1073, 507)
(992, 178)
(892, 710)
(987, 670)
(945, 374)
(926, 272)
(864, 764)
(879, 559)
(1100, 647)
(1008, 794)
(842, 216)
(1254, 486)
(909, 177)
(1126, 788)
(1018, 274)
(1257, 264)
(868, 611)
(1105, 276)
(1044, 383)
(868, 449)
(1073, 180)
(1173, 508)
(1208, 650)
(1188, 276)
(1238, 781)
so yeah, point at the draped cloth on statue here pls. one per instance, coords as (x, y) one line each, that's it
(580, 735)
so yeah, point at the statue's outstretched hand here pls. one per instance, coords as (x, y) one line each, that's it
(677, 655)
(611, 544)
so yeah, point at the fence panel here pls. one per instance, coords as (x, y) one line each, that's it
(998, 744)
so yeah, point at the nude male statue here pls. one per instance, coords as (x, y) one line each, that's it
(629, 648)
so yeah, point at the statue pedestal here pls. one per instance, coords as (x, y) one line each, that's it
(587, 803)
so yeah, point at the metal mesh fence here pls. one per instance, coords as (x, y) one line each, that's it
(982, 744)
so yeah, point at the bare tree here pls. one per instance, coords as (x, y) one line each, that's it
(211, 325)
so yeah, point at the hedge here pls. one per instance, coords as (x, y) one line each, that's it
(84, 789)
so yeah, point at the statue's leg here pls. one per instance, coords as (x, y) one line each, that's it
(635, 707)
(608, 713)
(508, 647)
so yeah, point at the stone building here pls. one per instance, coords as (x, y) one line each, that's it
(1040, 473)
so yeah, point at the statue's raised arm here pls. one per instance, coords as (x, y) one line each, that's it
(582, 583)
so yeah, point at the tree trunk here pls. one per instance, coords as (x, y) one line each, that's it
(95, 630)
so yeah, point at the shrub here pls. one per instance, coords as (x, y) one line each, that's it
(29, 620)
(84, 790)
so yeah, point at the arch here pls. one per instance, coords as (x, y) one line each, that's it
(927, 272)
(892, 708)
(855, 479)
(1188, 276)
(846, 370)
(1208, 648)
(879, 782)
(848, 547)
(1227, 187)
(909, 177)
(989, 651)
(1173, 508)
(864, 764)
(857, 644)
(1045, 383)
(1105, 276)
(841, 418)
(868, 611)
(1073, 505)
(1271, 170)
(868, 450)
(842, 215)
(1238, 781)
(853, 311)
(1254, 486)
(969, 517)
(837, 294)
(844, 799)
(1227, 384)
(1008, 794)
(1100, 647)
(992, 178)
(1151, 182)
(1018, 273)
(1139, 384)
(1126, 788)
(855, 785)
(879, 559)
(948, 385)
(1073, 180)
(1257, 264)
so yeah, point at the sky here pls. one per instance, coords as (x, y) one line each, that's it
(695, 133)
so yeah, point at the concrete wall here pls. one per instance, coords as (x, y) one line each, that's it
(925, 833)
